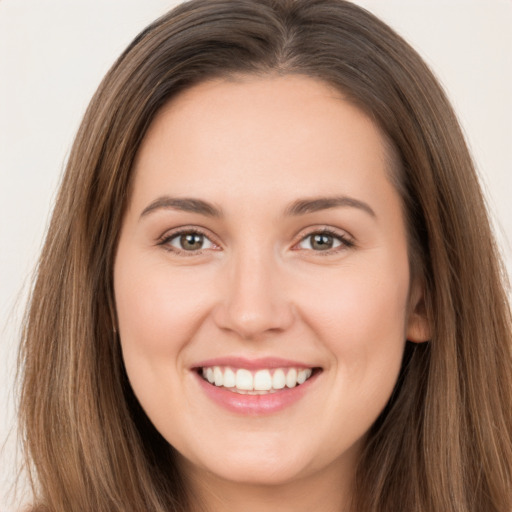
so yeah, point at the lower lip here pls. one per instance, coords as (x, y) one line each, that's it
(256, 405)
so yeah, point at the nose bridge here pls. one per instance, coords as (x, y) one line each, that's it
(255, 301)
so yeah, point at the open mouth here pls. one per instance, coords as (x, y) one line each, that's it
(258, 382)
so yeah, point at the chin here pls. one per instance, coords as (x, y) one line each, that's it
(250, 469)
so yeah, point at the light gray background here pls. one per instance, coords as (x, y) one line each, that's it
(53, 54)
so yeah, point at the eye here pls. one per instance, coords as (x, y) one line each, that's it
(323, 241)
(188, 241)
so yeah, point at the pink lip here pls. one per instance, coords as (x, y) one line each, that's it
(251, 364)
(255, 405)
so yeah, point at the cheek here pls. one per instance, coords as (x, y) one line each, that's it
(360, 317)
(157, 311)
(367, 305)
(158, 315)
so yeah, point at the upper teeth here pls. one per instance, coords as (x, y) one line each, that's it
(261, 380)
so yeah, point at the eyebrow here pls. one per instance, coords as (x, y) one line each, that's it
(299, 207)
(184, 204)
(304, 206)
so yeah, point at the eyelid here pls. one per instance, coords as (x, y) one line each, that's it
(347, 241)
(168, 235)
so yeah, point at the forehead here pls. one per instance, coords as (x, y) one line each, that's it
(266, 129)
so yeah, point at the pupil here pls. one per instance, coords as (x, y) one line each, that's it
(191, 241)
(322, 242)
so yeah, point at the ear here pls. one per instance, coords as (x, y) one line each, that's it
(418, 329)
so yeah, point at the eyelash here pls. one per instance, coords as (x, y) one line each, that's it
(345, 242)
(166, 239)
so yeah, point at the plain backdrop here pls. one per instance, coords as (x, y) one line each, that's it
(53, 54)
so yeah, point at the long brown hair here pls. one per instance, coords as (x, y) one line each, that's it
(443, 442)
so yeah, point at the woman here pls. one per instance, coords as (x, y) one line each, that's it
(269, 280)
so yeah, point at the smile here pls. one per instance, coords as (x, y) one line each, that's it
(260, 382)
(255, 387)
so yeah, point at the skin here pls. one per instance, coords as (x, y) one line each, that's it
(252, 147)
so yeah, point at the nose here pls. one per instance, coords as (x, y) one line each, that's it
(254, 301)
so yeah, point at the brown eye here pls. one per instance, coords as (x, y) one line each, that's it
(189, 241)
(324, 241)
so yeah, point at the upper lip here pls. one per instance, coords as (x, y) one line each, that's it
(252, 364)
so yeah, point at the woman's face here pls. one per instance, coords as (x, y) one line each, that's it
(262, 279)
